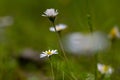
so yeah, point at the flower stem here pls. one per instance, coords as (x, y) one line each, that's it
(96, 61)
(89, 18)
(89, 23)
(102, 77)
(91, 30)
(52, 72)
(60, 41)
(63, 75)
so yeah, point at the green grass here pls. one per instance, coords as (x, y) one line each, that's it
(31, 30)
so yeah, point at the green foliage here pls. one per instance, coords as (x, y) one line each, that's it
(31, 30)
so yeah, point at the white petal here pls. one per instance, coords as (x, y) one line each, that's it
(100, 67)
(43, 15)
(51, 12)
(52, 29)
(59, 27)
(42, 55)
(55, 52)
(118, 35)
(62, 26)
(110, 71)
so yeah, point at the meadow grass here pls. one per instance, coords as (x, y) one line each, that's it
(31, 30)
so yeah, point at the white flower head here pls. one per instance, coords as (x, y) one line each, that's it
(50, 13)
(114, 33)
(6, 21)
(48, 53)
(104, 69)
(85, 44)
(58, 27)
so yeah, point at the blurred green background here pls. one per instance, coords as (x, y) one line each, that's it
(31, 30)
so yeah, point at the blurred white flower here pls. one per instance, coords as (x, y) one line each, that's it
(58, 27)
(29, 53)
(104, 69)
(78, 43)
(114, 33)
(6, 21)
(48, 53)
(50, 13)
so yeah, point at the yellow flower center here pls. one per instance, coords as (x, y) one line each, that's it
(49, 52)
(105, 68)
(113, 33)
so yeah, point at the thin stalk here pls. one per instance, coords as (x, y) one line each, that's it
(63, 75)
(58, 33)
(96, 70)
(52, 72)
(91, 30)
(60, 41)
(102, 77)
(89, 23)
(89, 18)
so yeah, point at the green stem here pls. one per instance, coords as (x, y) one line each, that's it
(102, 77)
(60, 41)
(89, 23)
(89, 18)
(61, 46)
(63, 75)
(96, 61)
(91, 30)
(52, 72)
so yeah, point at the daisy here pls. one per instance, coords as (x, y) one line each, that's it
(114, 33)
(48, 53)
(104, 69)
(58, 27)
(50, 13)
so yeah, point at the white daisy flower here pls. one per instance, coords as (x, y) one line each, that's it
(48, 53)
(85, 44)
(58, 27)
(104, 69)
(6, 21)
(114, 33)
(50, 13)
